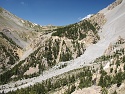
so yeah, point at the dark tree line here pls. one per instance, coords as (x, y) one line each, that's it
(76, 31)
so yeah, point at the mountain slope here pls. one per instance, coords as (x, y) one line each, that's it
(18, 38)
(15, 39)
(109, 26)
(50, 48)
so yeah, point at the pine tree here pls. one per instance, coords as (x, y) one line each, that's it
(101, 81)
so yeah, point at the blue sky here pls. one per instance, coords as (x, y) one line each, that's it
(55, 12)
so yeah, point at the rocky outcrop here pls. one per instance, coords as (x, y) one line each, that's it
(114, 4)
(98, 19)
(119, 44)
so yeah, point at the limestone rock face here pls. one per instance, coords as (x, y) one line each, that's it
(113, 5)
(99, 18)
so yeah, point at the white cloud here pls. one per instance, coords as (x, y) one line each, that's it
(88, 16)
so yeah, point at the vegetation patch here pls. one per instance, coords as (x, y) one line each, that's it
(1, 10)
(76, 31)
